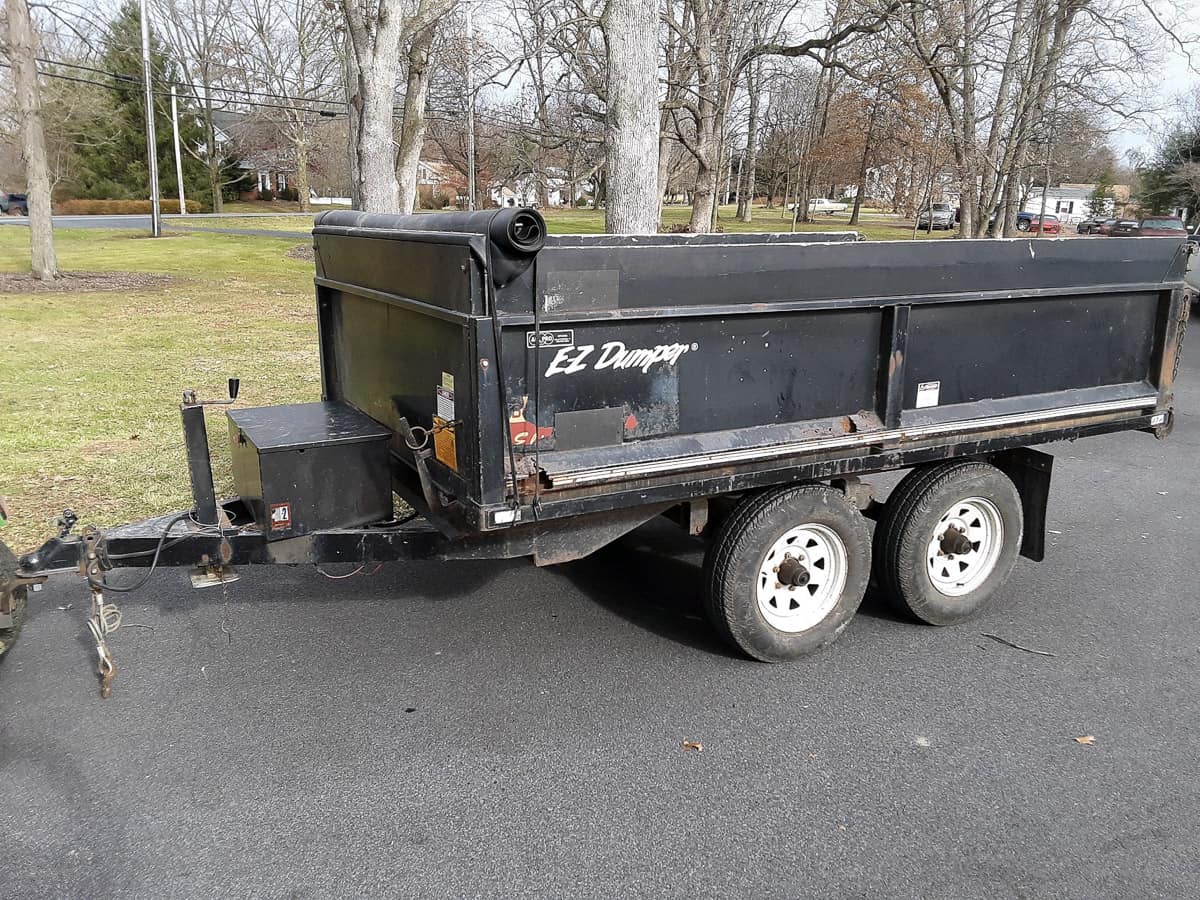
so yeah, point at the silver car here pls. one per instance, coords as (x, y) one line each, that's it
(941, 213)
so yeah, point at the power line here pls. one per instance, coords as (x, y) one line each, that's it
(194, 85)
(133, 82)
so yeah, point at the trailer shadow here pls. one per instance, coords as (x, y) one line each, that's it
(652, 578)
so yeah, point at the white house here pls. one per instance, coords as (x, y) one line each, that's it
(1071, 204)
(522, 190)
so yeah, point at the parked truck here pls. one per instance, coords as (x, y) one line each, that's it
(537, 396)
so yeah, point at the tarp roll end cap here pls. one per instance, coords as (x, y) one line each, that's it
(514, 234)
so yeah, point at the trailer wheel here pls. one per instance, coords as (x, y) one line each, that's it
(948, 540)
(12, 601)
(787, 571)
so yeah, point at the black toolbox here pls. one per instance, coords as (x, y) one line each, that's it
(310, 466)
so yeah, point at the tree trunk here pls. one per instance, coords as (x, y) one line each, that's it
(301, 147)
(631, 121)
(664, 161)
(377, 186)
(872, 114)
(21, 52)
(375, 46)
(754, 83)
(412, 126)
(212, 158)
(353, 118)
(704, 200)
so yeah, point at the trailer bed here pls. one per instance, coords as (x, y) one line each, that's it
(601, 372)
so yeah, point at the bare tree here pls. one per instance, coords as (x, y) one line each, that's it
(413, 120)
(23, 56)
(378, 34)
(631, 118)
(199, 35)
(285, 43)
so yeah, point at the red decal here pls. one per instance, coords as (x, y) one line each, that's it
(522, 432)
(631, 422)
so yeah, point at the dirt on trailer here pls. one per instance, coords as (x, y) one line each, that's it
(78, 282)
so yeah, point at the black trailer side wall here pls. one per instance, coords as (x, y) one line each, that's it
(664, 347)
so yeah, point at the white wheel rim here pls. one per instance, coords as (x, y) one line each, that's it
(965, 546)
(813, 562)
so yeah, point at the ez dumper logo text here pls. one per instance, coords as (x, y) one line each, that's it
(614, 355)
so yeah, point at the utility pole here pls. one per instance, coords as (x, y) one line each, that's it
(178, 158)
(151, 140)
(470, 109)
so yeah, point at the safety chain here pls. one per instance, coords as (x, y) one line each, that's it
(1183, 325)
(105, 617)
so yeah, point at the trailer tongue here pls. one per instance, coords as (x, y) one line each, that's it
(541, 396)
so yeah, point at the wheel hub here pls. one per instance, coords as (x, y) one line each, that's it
(801, 577)
(955, 540)
(965, 546)
(792, 573)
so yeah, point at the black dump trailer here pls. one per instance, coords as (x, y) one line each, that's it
(534, 395)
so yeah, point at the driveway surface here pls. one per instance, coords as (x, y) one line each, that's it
(495, 730)
(170, 223)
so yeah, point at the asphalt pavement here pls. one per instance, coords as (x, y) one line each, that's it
(170, 223)
(496, 730)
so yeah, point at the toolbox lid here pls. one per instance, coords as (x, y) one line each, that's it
(298, 426)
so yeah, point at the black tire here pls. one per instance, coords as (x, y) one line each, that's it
(738, 557)
(922, 501)
(1022, 225)
(8, 566)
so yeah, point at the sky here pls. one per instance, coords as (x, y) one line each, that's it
(1176, 76)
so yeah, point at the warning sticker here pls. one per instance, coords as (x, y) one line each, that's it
(928, 393)
(448, 381)
(445, 404)
(281, 516)
(444, 448)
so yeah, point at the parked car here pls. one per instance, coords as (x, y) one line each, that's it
(1161, 226)
(939, 215)
(1090, 226)
(13, 204)
(1047, 224)
(829, 207)
(1106, 226)
(1125, 228)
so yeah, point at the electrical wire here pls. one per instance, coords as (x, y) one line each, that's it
(130, 588)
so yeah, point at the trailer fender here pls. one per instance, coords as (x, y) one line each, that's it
(1030, 471)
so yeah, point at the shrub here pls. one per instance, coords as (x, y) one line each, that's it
(266, 194)
(289, 194)
(120, 207)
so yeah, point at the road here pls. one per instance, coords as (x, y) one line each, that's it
(494, 730)
(142, 223)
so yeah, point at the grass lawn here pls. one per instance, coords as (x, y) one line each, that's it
(90, 382)
(591, 221)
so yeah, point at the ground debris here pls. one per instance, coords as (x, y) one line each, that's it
(1086, 739)
(75, 282)
(1008, 643)
(692, 745)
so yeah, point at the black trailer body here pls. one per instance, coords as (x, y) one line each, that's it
(604, 372)
(537, 396)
